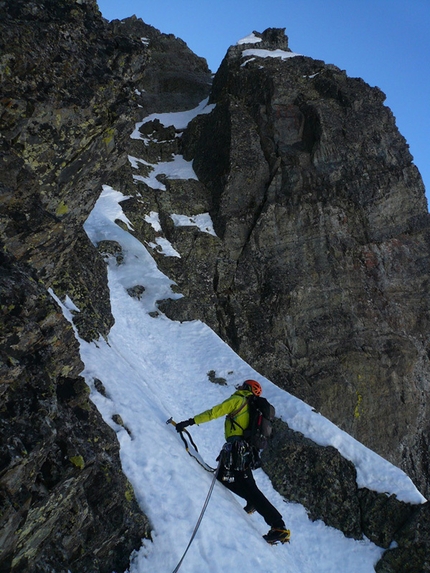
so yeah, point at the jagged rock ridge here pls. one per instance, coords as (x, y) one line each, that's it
(70, 96)
(317, 277)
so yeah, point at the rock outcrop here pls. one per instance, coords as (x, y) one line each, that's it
(325, 483)
(72, 88)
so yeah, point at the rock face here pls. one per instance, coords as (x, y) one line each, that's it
(69, 99)
(325, 483)
(413, 551)
(321, 278)
(317, 275)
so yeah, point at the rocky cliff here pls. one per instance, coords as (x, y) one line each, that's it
(69, 83)
(317, 276)
(321, 280)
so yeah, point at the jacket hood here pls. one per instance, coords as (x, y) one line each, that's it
(244, 393)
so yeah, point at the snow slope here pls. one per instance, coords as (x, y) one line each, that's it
(154, 368)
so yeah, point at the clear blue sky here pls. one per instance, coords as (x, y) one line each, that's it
(385, 42)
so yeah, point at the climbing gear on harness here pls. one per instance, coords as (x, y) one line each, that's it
(225, 459)
(195, 452)
(176, 569)
(235, 456)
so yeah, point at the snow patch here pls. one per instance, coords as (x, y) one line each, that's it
(164, 247)
(178, 168)
(202, 221)
(154, 220)
(251, 39)
(155, 368)
(269, 53)
(109, 210)
(179, 120)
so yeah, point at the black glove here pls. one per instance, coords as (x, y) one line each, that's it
(180, 426)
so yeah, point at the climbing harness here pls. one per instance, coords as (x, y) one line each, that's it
(236, 455)
(207, 468)
(194, 453)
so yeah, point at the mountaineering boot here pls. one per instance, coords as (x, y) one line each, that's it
(249, 508)
(277, 535)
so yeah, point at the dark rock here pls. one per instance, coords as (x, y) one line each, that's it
(412, 553)
(382, 516)
(99, 386)
(73, 86)
(321, 278)
(317, 477)
(111, 248)
(136, 291)
(324, 482)
(55, 451)
(216, 379)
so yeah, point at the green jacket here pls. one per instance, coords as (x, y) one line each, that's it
(230, 405)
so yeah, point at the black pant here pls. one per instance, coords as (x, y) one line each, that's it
(244, 485)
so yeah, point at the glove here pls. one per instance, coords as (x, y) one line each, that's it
(180, 426)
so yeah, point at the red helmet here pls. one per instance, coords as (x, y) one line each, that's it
(254, 386)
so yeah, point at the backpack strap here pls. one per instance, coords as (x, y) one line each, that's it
(232, 415)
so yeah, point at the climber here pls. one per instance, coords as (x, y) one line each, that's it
(236, 457)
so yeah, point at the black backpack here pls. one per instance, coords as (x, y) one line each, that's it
(261, 416)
